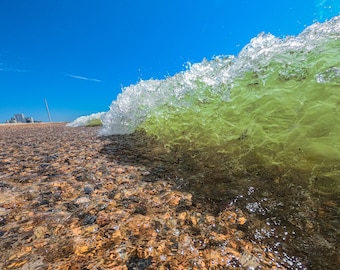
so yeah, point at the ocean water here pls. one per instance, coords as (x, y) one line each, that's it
(259, 131)
(277, 103)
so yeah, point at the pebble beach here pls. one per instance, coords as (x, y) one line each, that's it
(70, 199)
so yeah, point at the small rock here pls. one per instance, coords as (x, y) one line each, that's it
(141, 209)
(210, 219)
(88, 190)
(182, 216)
(135, 263)
(82, 200)
(3, 211)
(103, 219)
(89, 219)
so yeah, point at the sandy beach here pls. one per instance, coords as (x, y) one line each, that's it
(72, 200)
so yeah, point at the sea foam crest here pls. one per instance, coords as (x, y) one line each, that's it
(137, 101)
(84, 120)
(133, 106)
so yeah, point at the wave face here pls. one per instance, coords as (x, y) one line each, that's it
(277, 103)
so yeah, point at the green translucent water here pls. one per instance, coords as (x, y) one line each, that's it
(284, 113)
(275, 105)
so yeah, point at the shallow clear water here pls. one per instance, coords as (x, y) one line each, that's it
(285, 214)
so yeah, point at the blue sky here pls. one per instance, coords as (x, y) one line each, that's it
(78, 54)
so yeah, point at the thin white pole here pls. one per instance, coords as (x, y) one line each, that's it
(48, 111)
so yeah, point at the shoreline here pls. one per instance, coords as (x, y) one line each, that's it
(73, 200)
(32, 124)
(66, 204)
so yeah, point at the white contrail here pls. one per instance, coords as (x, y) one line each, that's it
(83, 78)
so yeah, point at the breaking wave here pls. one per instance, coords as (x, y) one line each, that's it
(277, 103)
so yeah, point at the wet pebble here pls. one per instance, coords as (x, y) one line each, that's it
(141, 209)
(88, 190)
(136, 263)
(88, 219)
(82, 200)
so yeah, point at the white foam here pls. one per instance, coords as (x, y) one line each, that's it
(84, 120)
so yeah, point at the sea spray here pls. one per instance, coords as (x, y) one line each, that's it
(83, 121)
(138, 102)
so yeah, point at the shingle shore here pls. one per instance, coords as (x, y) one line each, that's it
(72, 200)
